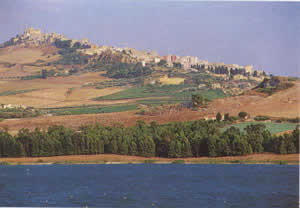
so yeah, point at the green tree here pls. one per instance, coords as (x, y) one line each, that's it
(44, 74)
(218, 116)
(242, 115)
(198, 101)
(282, 147)
(162, 63)
(227, 117)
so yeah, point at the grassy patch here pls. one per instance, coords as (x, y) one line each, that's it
(149, 161)
(117, 83)
(237, 162)
(261, 118)
(176, 93)
(283, 162)
(17, 92)
(93, 110)
(178, 162)
(156, 101)
(274, 128)
(4, 163)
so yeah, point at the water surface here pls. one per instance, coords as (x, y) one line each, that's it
(170, 185)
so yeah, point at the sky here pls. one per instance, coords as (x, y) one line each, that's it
(263, 34)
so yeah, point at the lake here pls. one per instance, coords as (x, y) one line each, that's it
(150, 185)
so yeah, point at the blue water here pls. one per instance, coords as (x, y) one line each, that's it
(172, 185)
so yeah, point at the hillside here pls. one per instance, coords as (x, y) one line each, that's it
(66, 79)
(282, 104)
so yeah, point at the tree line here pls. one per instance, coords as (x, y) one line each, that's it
(173, 140)
(226, 70)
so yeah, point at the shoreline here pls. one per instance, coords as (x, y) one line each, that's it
(112, 159)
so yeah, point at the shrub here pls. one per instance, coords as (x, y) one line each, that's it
(242, 115)
(218, 116)
(261, 118)
(149, 161)
(283, 162)
(124, 70)
(4, 163)
(178, 161)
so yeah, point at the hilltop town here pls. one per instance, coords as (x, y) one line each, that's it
(59, 80)
(35, 38)
(53, 88)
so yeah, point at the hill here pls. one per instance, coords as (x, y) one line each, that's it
(65, 79)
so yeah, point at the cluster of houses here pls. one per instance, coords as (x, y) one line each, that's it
(12, 106)
(35, 37)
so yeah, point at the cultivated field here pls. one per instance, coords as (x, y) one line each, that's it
(232, 105)
(55, 92)
(173, 80)
(274, 128)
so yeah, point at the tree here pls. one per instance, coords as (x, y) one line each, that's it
(177, 65)
(211, 144)
(255, 73)
(227, 117)
(198, 100)
(162, 63)
(295, 137)
(62, 43)
(218, 116)
(282, 147)
(77, 45)
(241, 147)
(242, 115)
(44, 74)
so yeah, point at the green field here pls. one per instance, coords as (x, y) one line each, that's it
(17, 92)
(274, 128)
(92, 110)
(173, 92)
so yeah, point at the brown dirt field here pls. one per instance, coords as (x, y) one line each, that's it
(53, 91)
(254, 158)
(285, 132)
(21, 55)
(285, 103)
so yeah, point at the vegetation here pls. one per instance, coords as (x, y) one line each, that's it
(198, 101)
(173, 140)
(291, 120)
(273, 128)
(92, 110)
(178, 162)
(273, 85)
(31, 77)
(218, 116)
(261, 118)
(125, 70)
(149, 161)
(18, 113)
(4, 163)
(242, 115)
(118, 83)
(174, 92)
(7, 93)
(70, 57)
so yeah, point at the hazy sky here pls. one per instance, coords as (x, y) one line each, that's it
(264, 34)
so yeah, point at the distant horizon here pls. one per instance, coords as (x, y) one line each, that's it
(262, 34)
